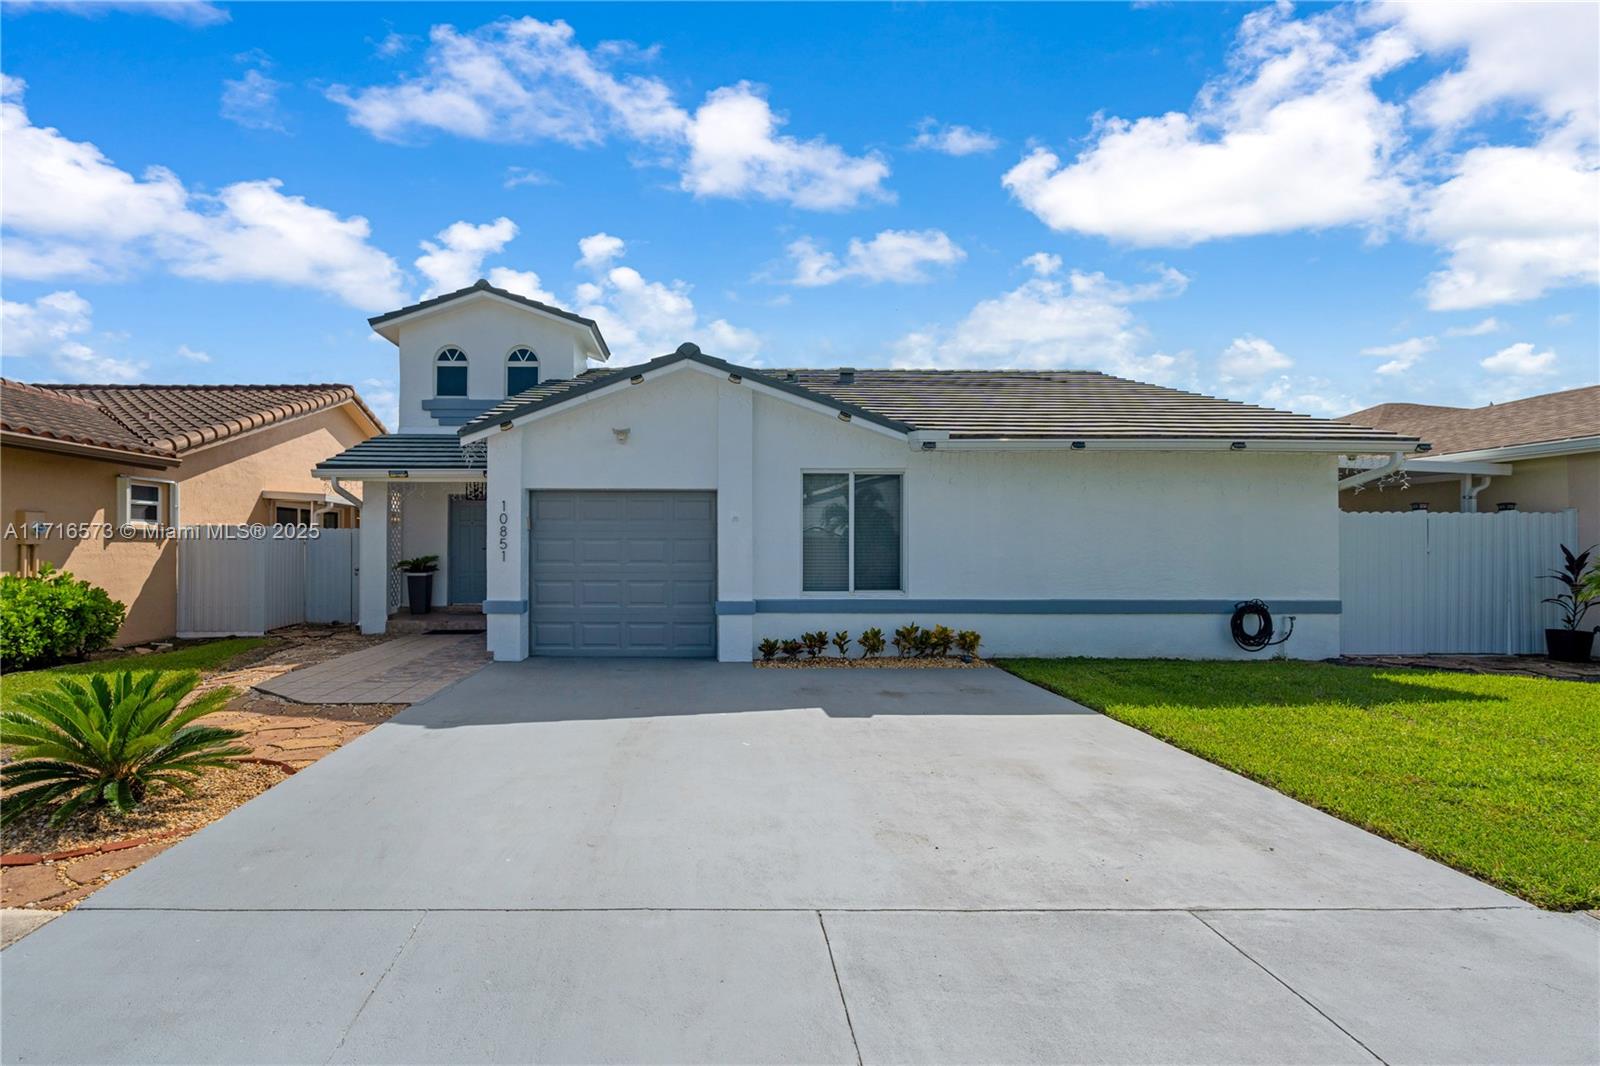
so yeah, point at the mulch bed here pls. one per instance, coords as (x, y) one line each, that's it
(885, 662)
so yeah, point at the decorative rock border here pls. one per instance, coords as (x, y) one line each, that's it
(31, 859)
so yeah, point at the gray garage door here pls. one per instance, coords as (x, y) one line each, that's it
(624, 573)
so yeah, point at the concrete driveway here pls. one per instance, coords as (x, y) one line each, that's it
(585, 862)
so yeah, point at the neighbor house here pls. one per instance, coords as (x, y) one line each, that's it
(689, 507)
(1541, 453)
(90, 476)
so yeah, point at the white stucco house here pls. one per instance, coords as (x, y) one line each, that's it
(689, 507)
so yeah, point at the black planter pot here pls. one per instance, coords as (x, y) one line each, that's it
(419, 592)
(1569, 645)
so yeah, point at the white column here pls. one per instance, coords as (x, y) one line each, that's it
(506, 607)
(735, 523)
(372, 548)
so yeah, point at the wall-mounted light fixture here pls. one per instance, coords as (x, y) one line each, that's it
(637, 379)
(504, 426)
(735, 378)
(1237, 446)
(844, 416)
(929, 445)
(1078, 445)
(620, 434)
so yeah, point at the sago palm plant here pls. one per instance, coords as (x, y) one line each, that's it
(110, 742)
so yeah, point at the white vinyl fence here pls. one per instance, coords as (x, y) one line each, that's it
(1415, 582)
(233, 584)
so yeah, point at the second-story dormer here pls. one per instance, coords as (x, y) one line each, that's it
(465, 351)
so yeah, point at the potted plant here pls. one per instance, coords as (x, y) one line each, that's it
(419, 573)
(1569, 644)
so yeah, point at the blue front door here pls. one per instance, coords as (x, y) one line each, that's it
(468, 544)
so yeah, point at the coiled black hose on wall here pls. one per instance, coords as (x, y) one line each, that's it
(1261, 635)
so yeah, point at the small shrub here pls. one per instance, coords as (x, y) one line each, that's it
(420, 564)
(905, 639)
(109, 742)
(792, 649)
(53, 617)
(939, 639)
(815, 643)
(841, 640)
(769, 649)
(968, 641)
(871, 642)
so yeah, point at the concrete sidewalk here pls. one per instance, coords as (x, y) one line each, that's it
(693, 862)
(406, 669)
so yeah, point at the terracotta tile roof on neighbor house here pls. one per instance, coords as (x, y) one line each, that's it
(45, 414)
(1555, 416)
(994, 404)
(176, 418)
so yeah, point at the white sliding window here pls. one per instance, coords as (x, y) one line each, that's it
(851, 532)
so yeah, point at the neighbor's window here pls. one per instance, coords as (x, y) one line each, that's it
(1420, 506)
(291, 516)
(330, 520)
(1507, 506)
(850, 532)
(450, 373)
(522, 370)
(144, 502)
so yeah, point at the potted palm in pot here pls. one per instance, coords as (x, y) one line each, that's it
(1581, 591)
(419, 573)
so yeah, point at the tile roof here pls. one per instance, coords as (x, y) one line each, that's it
(1555, 416)
(30, 411)
(409, 451)
(482, 285)
(995, 404)
(176, 418)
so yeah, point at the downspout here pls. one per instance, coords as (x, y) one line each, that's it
(355, 501)
(1470, 487)
(1396, 461)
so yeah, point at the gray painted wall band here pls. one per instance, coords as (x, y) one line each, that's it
(505, 606)
(890, 606)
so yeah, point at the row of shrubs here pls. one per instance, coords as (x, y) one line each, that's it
(911, 641)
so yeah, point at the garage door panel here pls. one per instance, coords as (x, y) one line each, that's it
(624, 573)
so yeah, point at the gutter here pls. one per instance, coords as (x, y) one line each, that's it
(1396, 462)
(354, 501)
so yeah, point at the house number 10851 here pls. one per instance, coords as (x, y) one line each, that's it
(504, 529)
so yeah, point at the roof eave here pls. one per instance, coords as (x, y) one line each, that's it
(1505, 453)
(104, 453)
(400, 473)
(387, 325)
(1332, 446)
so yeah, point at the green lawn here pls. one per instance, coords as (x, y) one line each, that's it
(204, 656)
(1497, 776)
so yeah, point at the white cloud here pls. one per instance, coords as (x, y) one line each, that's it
(892, 255)
(1402, 355)
(70, 211)
(41, 327)
(935, 136)
(1538, 55)
(49, 327)
(523, 283)
(1309, 396)
(456, 261)
(1516, 222)
(643, 319)
(383, 397)
(1082, 321)
(189, 12)
(193, 355)
(1477, 329)
(517, 177)
(1043, 264)
(599, 250)
(524, 81)
(1520, 360)
(252, 101)
(393, 44)
(1293, 137)
(1251, 357)
(735, 150)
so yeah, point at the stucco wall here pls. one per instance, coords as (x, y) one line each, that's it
(1553, 484)
(1014, 526)
(486, 331)
(221, 484)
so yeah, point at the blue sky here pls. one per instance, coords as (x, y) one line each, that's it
(1317, 208)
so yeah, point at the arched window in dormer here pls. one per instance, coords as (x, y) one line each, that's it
(522, 370)
(450, 372)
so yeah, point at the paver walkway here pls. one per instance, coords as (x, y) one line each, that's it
(404, 670)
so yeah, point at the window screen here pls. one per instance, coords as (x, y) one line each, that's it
(877, 531)
(144, 503)
(825, 525)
